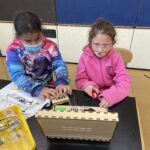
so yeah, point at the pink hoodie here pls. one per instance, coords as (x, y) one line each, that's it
(108, 74)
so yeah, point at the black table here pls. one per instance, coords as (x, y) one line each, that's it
(126, 136)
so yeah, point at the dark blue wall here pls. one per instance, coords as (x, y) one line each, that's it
(119, 12)
(122, 13)
(143, 13)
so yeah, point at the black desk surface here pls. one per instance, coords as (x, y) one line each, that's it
(126, 136)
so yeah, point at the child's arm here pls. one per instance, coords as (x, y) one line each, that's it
(82, 79)
(59, 68)
(17, 74)
(122, 84)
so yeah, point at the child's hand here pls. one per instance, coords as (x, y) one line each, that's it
(48, 93)
(104, 103)
(91, 91)
(64, 89)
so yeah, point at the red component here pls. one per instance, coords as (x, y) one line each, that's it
(94, 94)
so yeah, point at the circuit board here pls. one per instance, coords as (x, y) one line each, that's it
(60, 99)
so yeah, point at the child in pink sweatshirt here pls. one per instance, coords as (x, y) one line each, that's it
(101, 71)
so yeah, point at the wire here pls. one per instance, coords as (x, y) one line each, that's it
(11, 122)
(135, 21)
(139, 2)
(10, 128)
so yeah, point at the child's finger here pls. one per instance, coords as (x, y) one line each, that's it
(69, 91)
(45, 95)
(53, 92)
(103, 104)
(59, 89)
(90, 91)
(65, 89)
(42, 97)
(96, 90)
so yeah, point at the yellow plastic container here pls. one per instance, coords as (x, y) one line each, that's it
(14, 131)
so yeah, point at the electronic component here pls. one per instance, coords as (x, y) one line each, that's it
(94, 94)
(60, 99)
(14, 131)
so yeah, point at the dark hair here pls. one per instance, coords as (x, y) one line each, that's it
(27, 22)
(102, 26)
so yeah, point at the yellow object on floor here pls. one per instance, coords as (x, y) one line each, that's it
(14, 131)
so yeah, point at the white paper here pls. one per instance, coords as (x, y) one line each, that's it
(10, 95)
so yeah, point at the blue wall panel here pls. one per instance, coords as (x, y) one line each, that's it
(143, 13)
(121, 13)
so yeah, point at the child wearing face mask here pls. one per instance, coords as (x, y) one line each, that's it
(101, 72)
(32, 59)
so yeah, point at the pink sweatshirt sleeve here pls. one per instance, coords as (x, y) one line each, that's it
(122, 84)
(81, 78)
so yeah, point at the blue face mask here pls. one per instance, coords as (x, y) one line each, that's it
(101, 53)
(33, 48)
(98, 54)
